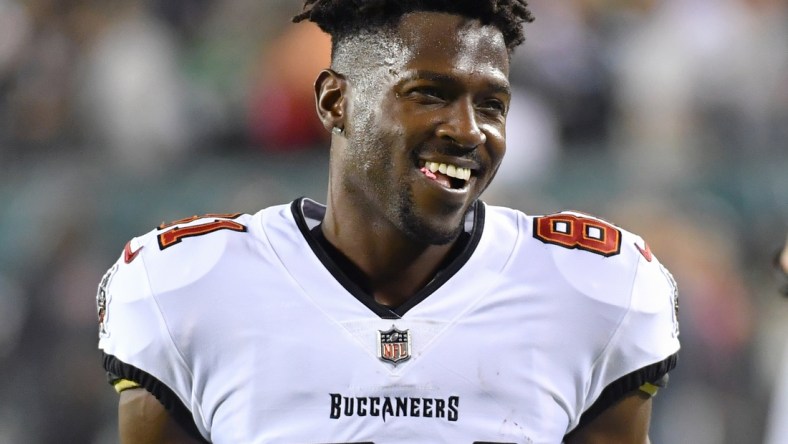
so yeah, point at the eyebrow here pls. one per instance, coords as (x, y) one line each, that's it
(495, 86)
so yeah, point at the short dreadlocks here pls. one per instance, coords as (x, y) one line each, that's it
(343, 18)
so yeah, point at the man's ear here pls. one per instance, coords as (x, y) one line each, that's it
(330, 99)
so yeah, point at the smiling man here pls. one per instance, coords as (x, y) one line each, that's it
(404, 310)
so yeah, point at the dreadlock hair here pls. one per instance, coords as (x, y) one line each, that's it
(344, 18)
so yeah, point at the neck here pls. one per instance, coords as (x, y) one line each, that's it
(392, 266)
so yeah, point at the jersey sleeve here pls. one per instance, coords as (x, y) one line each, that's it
(134, 337)
(645, 345)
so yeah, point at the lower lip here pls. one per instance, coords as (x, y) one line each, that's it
(459, 192)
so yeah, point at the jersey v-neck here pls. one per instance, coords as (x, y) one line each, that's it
(308, 216)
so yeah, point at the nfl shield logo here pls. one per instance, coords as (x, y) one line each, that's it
(394, 345)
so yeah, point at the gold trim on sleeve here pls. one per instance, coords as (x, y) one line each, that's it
(124, 384)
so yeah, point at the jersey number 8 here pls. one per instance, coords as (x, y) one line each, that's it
(582, 233)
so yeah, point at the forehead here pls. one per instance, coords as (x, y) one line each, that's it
(437, 42)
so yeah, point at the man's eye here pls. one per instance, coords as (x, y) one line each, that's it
(428, 92)
(495, 106)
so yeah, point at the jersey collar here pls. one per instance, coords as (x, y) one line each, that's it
(308, 215)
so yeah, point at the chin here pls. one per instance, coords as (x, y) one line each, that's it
(432, 232)
(430, 221)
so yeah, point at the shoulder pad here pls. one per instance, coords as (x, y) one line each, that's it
(596, 257)
(178, 253)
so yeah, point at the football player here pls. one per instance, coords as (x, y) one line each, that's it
(404, 309)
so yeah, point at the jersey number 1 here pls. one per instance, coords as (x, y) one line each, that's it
(176, 234)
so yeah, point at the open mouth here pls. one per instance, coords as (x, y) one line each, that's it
(446, 174)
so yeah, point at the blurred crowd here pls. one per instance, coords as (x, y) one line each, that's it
(667, 117)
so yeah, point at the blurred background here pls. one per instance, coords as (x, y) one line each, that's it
(666, 117)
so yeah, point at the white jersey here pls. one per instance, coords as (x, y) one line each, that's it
(249, 332)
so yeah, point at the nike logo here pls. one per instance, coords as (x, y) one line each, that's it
(646, 252)
(129, 255)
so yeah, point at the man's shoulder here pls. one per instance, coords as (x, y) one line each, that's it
(609, 267)
(194, 239)
(574, 233)
(601, 273)
(211, 231)
(591, 255)
(586, 237)
(182, 251)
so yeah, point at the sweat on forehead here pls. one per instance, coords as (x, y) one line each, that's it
(378, 48)
(393, 45)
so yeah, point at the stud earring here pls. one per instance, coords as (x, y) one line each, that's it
(337, 130)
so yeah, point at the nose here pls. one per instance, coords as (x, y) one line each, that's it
(460, 126)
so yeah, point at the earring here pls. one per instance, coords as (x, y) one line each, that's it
(337, 130)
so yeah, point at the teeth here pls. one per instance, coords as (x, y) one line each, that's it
(449, 170)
